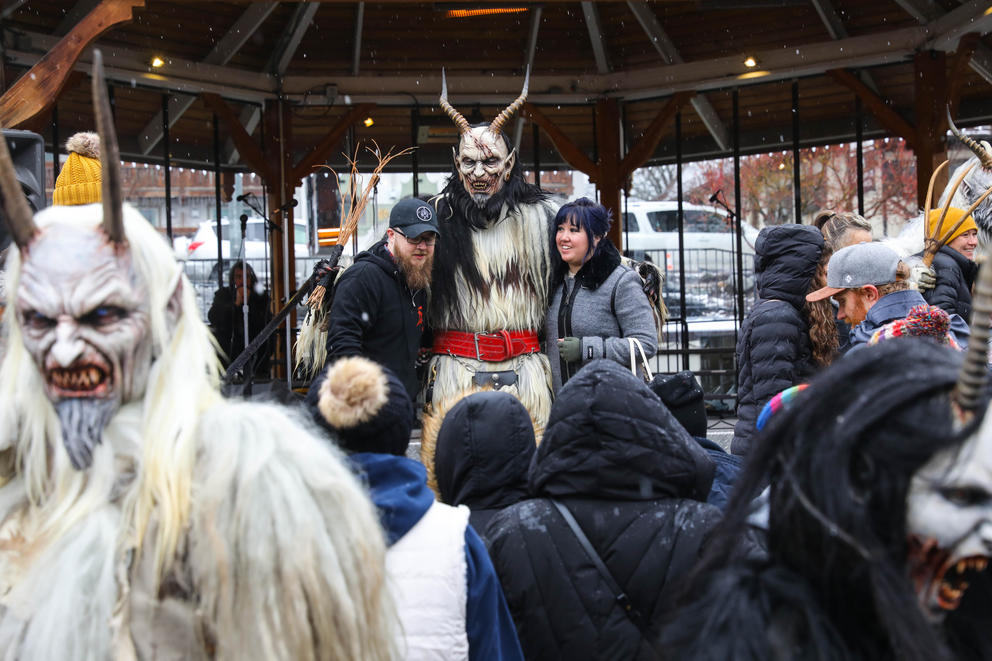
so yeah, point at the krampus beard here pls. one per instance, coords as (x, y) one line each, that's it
(83, 420)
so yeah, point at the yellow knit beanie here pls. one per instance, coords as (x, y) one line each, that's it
(950, 220)
(79, 181)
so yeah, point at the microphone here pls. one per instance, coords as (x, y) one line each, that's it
(289, 205)
(244, 223)
(714, 196)
(242, 198)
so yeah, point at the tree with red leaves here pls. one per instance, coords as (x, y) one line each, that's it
(828, 179)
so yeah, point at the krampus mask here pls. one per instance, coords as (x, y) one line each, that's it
(949, 506)
(81, 306)
(483, 160)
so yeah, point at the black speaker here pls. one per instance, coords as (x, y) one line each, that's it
(27, 150)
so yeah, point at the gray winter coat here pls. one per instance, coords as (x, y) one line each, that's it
(607, 307)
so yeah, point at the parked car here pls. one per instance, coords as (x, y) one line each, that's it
(203, 244)
(651, 227)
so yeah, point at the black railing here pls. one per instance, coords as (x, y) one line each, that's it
(701, 334)
(703, 340)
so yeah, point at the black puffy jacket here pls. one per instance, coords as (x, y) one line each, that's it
(482, 454)
(773, 347)
(633, 479)
(374, 314)
(955, 276)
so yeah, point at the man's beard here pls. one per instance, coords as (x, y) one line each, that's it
(417, 276)
(83, 420)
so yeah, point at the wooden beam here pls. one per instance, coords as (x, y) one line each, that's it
(535, 25)
(356, 56)
(646, 144)
(609, 181)
(886, 116)
(250, 152)
(36, 91)
(320, 151)
(290, 41)
(596, 40)
(74, 15)
(226, 47)
(670, 54)
(248, 119)
(568, 149)
(959, 64)
(930, 93)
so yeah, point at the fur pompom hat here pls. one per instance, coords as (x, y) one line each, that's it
(364, 404)
(79, 180)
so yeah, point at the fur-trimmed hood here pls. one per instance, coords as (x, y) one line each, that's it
(480, 453)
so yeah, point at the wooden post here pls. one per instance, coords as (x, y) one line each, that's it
(608, 165)
(278, 138)
(931, 92)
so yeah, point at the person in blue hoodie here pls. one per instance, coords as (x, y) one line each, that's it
(443, 583)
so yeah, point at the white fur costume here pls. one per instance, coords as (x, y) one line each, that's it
(516, 244)
(200, 529)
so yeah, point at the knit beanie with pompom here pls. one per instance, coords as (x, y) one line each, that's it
(80, 179)
(922, 321)
(364, 404)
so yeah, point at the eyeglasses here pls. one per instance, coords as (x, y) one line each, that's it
(427, 238)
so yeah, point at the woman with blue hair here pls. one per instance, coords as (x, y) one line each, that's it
(597, 303)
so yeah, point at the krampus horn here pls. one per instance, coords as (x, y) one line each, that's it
(455, 116)
(983, 155)
(501, 119)
(110, 156)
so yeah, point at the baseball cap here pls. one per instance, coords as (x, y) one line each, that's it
(413, 217)
(856, 266)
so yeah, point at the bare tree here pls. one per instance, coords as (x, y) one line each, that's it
(657, 182)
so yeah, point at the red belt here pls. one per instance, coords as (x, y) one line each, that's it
(491, 347)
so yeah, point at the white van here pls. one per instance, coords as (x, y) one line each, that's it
(651, 229)
(203, 244)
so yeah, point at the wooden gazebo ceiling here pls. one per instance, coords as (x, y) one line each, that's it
(324, 57)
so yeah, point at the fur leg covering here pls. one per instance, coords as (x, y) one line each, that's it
(453, 376)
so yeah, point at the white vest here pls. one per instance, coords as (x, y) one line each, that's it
(427, 575)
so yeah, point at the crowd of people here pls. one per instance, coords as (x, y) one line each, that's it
(565, 503)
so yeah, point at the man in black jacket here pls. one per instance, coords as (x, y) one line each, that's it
(378, 308)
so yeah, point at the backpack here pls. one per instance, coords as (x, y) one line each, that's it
(652, 283)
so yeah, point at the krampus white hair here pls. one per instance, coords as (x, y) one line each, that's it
(209, 528)
(517, 244)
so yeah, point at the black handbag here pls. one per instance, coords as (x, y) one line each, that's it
(684, 397)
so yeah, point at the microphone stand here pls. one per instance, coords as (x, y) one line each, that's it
(246, 290)
(715, 199)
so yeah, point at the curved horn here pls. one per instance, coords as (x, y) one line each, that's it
(20, 220)
(983, 155)
(497, 124)
(455, 116)
(974, 371)
(110, 157)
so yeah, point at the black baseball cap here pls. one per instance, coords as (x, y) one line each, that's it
(413, 217)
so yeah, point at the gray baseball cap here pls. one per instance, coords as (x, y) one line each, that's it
(413, 217)
(856, 266)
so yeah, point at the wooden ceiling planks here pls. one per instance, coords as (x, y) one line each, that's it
(413, 39)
